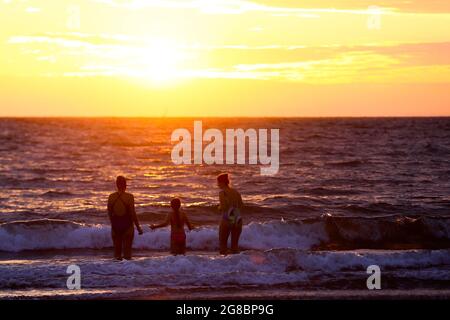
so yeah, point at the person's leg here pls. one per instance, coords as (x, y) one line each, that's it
(173, 246)
(235, 234)
(183, 247)
(224, 233)
(177, 247)
(128, 243)
(117, 242)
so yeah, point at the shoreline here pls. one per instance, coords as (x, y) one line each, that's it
(293, 294)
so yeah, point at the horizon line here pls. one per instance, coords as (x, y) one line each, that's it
(220, 117)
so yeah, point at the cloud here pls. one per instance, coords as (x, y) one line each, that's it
(437, 6)
(33, 10)
(88, 55)
(243, 6)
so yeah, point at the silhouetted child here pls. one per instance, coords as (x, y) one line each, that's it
(176, 219)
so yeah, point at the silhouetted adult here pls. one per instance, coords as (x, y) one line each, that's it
(230, 208)
(123, 217)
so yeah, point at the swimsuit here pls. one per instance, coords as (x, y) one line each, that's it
(233, 214)
(121, 224)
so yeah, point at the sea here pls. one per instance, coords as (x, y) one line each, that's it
(350, 193)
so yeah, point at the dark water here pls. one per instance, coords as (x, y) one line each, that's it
(64, 168)
(343, 184)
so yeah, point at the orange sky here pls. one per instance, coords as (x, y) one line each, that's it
(224, 58)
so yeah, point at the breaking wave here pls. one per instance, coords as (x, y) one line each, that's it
(326, 232)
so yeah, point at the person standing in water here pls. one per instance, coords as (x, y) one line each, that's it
(176, 219)
(122, 216)
(230, 208)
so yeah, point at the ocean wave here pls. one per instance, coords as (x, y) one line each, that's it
(321, 191)
(326, 232)
(432, 148)
(46, 234)
(57, 194)
(271, 267)
(11, 181)
(347, 163)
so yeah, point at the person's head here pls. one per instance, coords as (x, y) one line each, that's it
(175, 204)
(121, 183)
(223, 180)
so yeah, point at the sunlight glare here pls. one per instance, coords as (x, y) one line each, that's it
(160, 62)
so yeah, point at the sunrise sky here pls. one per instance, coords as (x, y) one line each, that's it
(224, 58)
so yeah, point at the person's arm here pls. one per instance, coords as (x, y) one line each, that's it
(134, 216)
(188, 223)
(223, 202)
(240, 202)
(161, 225)
(110, 209)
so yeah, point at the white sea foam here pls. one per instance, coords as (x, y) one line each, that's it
(383, 233)
(55, 234)
(271, 267)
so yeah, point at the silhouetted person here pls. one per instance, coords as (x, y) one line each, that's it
(123, 217)
(230, 207)
(176, 219)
